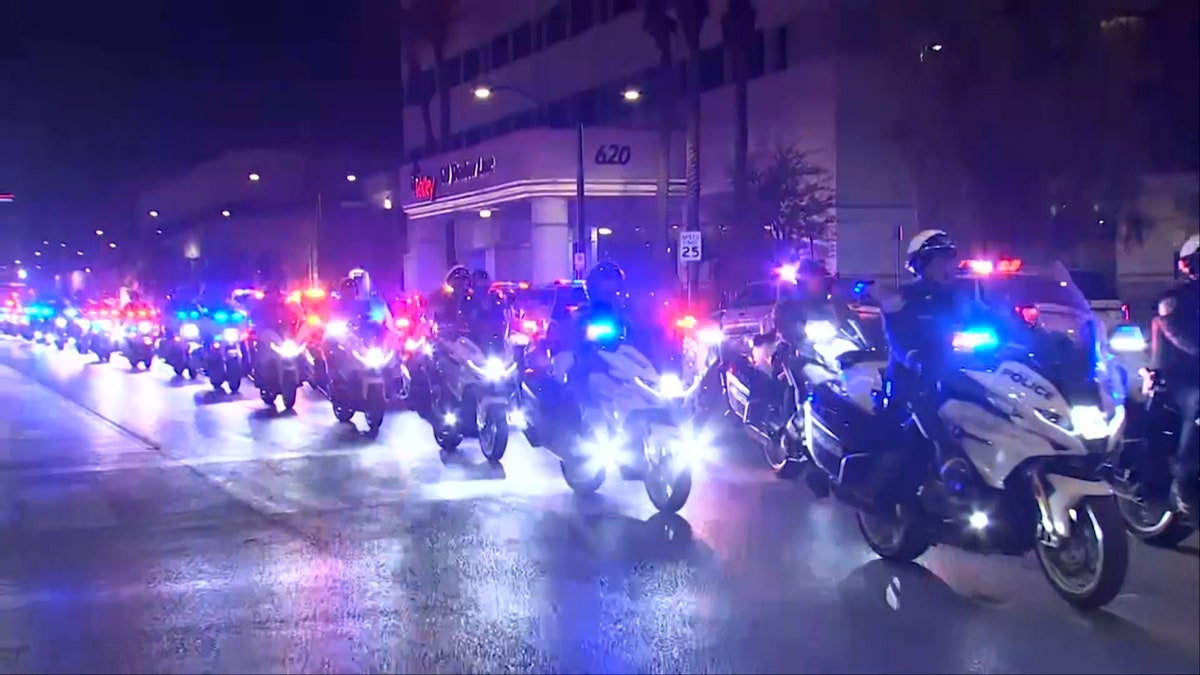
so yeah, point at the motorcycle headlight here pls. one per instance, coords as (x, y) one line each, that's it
(493, 369)
(518, 339)
(287, 349)
(336, 328)
(231, 335)
(374, 357)
(84, 324)
(710, 336)
(820, 331)
(60, 322)
(1091, 423)
(669, 388)
(189, 331)
(831, 350)
(145, 326)
(1127, 340)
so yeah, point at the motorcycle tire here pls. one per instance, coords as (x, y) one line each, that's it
(1104, 517)
(909, 538)
(179, 371)
(266, 397)
(375, 409)
(61, 345)
(290, 389)
(1166, 528)
(668, 481)
(493, 433)
(233, 378)
(343, 413)
(580, 478)
(104, 357)
(146, 362)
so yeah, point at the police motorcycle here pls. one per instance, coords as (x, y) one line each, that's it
(139, 338)
(100, 333)
(473, 390)
(1141, 465)
(619, 416)
(786, 373)
(220, 348)
(360, 362)
(182, 346)
(1031, 416)
(277, 373)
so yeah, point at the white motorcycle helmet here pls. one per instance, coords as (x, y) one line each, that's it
(924, 245)
(362, 282)
(1189, 255)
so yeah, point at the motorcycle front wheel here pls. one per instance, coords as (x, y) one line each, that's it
(493, 433)
(668, 478)
(897, 533)
(1088, 567)
(1157, 525)
(375, 408)
(233, 377)
(288, 392)
(582, 478)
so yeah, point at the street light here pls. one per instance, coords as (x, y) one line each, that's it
(485, 213)
(484, 92)
(112, 244)
(99, 233)
(154, 214)
(22, 274)
(78, 252)
(37, 254)
(225, 213)
(350, 178)
(254, 178)
(604, 231)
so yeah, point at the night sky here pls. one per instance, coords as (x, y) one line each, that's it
(96, 98)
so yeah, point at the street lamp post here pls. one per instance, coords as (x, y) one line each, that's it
(582, 236)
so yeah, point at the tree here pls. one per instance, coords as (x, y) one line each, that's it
(737, 27)
(690, 16)
(792, 198)
(662, 29)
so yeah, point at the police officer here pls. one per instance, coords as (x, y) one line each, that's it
(1176, 353)
(358, 304)
(916, 318)
(450, 307)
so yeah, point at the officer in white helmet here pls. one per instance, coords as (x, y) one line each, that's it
(1175, 352)
(917, 319)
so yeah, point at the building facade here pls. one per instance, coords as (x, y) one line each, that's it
(258, 215)
(816, 83)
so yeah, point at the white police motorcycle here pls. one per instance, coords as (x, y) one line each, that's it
(626, 418)
(474, 390)
(1029, 422)
(360, 366)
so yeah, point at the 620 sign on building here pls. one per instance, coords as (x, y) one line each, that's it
(613, 154)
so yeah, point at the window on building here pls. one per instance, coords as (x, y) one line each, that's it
(522, 42)
(620, 7)
(554, 26)
(470, 61)
(451, 72)
(500, 51)
(757, 63)
(581, 15)
(712, 67)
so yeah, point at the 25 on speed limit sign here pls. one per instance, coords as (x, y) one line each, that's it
(691, 247)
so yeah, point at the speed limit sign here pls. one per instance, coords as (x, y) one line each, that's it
(691, 247)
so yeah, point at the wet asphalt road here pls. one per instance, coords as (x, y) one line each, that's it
(147, 525)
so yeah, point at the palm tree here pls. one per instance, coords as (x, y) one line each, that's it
(691, 15)
(661, 28)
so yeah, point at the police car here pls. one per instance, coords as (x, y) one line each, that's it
(1045, 297)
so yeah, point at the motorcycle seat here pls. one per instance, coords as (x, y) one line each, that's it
(857, 356)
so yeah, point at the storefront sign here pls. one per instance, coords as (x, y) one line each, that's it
(466, 170)
(425, 187)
